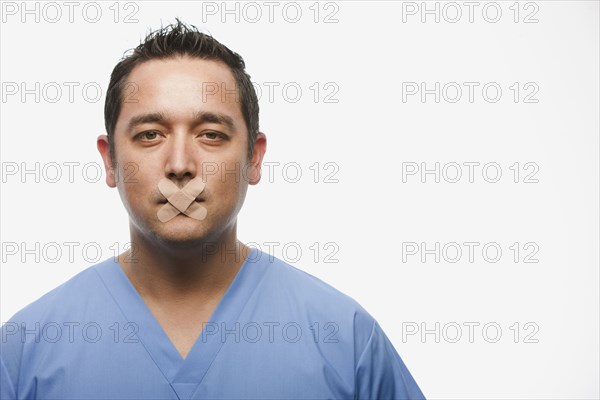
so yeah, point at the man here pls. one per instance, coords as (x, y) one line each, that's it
(189, 311)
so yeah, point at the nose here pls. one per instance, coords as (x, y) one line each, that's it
(181, 157)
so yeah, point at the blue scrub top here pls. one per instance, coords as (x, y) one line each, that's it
(277, 333)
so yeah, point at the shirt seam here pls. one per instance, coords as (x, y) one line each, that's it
(9, 380)
(362, 354)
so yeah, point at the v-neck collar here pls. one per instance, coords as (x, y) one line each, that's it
(184, 375)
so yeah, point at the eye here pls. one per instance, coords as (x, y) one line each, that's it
(149, 135)
(213, 136)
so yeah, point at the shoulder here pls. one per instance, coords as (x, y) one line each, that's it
(308, 288)
(317, 299)
(67, 301)
(377, 369)
(60, 299)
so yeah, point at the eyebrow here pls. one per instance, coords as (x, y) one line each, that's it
(145, 119)
(199, 118)
(215, 118)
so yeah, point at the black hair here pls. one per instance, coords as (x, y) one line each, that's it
(179, 39)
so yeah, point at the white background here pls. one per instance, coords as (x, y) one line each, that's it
(370, 134)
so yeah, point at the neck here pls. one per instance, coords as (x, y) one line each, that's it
(181, 273)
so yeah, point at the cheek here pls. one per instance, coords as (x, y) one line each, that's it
(130, 195)
(135, 187)
(128, 174)
(226, 184)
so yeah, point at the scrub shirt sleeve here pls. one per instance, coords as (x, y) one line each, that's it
(380, 372)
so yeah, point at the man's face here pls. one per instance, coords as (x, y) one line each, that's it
(180, 119)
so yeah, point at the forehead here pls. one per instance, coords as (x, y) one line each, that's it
(181, 87)
(209, 70)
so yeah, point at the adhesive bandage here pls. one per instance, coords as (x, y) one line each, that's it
(181, 200)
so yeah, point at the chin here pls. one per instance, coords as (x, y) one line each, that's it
(180, 231)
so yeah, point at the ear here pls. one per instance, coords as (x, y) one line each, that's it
(260, 147)
(104, 149)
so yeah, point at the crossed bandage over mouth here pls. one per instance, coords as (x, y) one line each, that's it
(181, 200)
